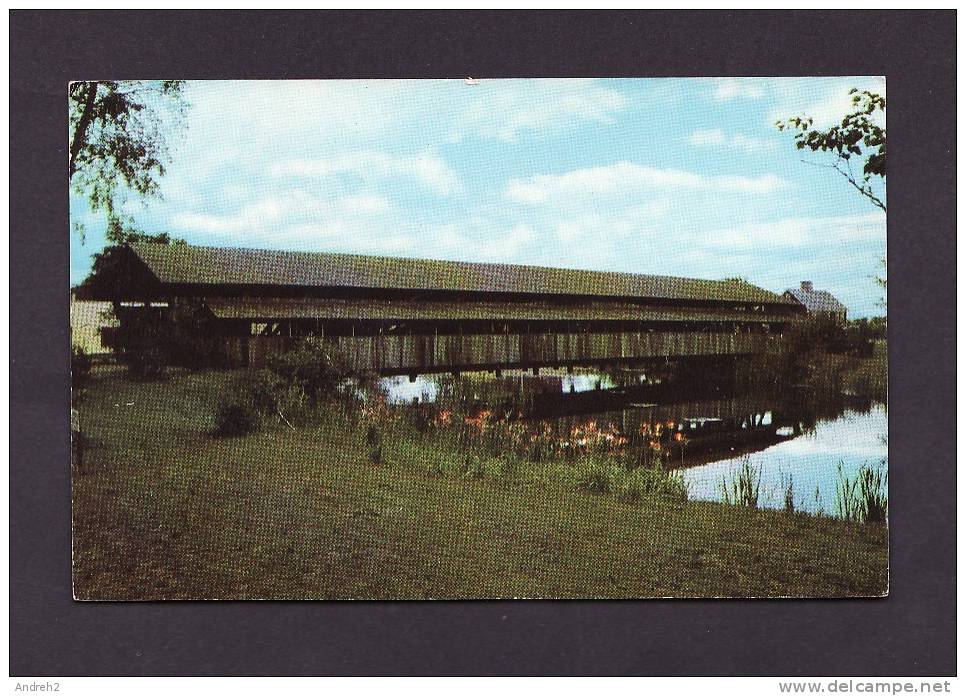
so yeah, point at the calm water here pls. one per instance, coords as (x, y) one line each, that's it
(426, 389)
(811, 459)
(792, 434)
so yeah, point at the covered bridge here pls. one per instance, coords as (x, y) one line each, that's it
(410, 316)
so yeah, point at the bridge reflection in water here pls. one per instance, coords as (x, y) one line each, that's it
(706, 429)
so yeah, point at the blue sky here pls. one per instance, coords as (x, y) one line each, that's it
(684, 177)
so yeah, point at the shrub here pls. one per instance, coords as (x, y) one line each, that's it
(235, 418)
(146, 362)
(606, 476)
(315, 367)
(474, 466)
(257, 388)
(294, 406)
(373, 436)
(293, 388)
(249, 397)
(423, 416)
(601, 476)
(644, 482)
(141, 343)
(367, 380)
(80, 368)
(507, 465)
(479, 467)
(818, 332)
(446, 464)
(375, 455)
(189, 338)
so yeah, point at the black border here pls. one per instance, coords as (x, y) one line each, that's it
(912, 632)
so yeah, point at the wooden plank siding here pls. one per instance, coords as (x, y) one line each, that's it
(401, 354)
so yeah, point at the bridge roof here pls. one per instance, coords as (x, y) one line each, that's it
(216, 266)
(261, 308)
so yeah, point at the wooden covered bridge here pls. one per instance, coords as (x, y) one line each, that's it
(411, 316)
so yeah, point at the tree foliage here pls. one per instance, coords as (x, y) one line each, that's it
(119, 142)
(107, 279)
(859, 137)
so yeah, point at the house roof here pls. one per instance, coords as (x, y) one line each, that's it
(816, 300)
(194, 265)
(260, 308)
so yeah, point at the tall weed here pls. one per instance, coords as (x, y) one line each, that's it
(744, 488)
(865, 497)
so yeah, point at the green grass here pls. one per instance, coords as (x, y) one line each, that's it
(744, 488)
(865, 497)
(164, 509)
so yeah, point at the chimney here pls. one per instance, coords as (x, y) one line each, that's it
(806, 286)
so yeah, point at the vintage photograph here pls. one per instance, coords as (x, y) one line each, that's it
(479, 338)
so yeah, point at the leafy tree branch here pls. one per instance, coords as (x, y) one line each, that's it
(119, 143)
(859, 136)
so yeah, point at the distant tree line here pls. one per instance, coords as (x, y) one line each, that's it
(824, 333)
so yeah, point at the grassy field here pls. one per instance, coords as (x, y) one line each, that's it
(163, 509)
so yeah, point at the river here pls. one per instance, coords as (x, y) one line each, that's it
(786, 435)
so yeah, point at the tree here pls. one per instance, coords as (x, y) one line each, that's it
(118, 143)
(883, 283)
(857, 137)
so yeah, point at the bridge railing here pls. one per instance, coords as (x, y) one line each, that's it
(402, 354)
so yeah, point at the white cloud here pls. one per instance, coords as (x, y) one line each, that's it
(428, 168)
(728, 88)
(826, 101)
(504, 109)
(805, 232)
(480, 239)
(717, 138)
(839, 253)
(704, 138)
(372, 167)
(247, 114)
(277, 215)
(628, 177)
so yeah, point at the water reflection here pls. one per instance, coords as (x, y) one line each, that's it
(575, 384)
(402, 390)
(811, 460)
(427, 388)
(705, 429)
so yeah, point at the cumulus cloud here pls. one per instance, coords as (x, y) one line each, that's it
(824, 100)
(481, 239)
(500, 172)
(726, 89)
(506, 109)
(717, 138)
(803, 232)
(839, 253)
(626, 177)
(290, 216)
(428, 169)
(703, 138)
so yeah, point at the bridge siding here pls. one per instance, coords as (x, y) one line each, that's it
(423, 353)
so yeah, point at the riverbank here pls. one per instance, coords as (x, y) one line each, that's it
(163, 509)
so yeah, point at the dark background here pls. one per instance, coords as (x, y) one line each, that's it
(912, 632)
